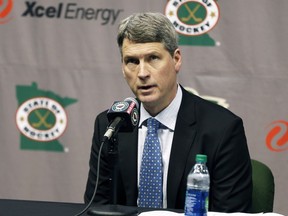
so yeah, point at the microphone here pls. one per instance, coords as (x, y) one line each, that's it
(123, 116)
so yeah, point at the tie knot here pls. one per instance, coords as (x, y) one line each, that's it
(153, 125)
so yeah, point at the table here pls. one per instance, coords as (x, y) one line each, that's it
(38, 208)
(9, 207)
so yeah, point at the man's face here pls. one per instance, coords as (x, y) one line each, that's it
(151, 73)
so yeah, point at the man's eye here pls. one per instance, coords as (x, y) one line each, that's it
(132, 61)
(154, 57)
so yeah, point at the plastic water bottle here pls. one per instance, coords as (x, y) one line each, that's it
(197, 192)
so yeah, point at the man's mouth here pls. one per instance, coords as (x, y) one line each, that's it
(146, 87)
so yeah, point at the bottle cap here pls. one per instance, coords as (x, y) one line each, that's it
(201, 158)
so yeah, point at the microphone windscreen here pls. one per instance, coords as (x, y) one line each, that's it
(128, 110)
(134, 100)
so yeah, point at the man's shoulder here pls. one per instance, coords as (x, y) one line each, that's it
(102, 117)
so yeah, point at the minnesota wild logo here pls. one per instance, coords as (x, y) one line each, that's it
(193, 19)
(41, 118)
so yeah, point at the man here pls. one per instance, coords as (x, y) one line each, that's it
(151, 61)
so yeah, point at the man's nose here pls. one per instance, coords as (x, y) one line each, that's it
(143, 70)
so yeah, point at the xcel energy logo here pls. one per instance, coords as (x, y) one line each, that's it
(71, 11)
(5, 10)
(277, 136)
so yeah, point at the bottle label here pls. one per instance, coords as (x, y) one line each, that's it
(196, 203)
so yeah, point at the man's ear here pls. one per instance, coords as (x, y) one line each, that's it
(177, 59)
(123, 73)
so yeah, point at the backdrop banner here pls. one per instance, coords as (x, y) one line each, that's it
(60, 66)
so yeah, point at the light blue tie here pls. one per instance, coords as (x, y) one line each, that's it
(151, 174)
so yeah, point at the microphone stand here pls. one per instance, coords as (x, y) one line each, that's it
(113, 208)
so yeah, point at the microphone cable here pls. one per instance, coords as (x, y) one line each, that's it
(97, 180)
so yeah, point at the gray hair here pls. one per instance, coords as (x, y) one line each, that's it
(148, 27)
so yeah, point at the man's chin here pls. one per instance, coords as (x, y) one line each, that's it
(147, 99)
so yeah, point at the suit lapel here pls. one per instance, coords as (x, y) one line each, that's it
(181, 148)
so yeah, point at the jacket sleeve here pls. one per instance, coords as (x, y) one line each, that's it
(104, 182)
(231, 180)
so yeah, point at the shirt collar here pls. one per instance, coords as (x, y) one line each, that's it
(166, 117)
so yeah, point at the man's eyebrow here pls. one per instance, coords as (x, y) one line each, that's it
(129, 57)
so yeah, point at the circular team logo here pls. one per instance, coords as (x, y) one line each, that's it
(120, 106)
(41, 119)
(134, 117)
(5, 9)
(193, 17)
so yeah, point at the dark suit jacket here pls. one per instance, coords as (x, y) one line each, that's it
(201, 127)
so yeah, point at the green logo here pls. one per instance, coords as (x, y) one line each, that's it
(217, 100)
(193, 19)
(41, 118)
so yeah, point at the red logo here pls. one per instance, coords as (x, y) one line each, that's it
(5, 9)
(277, 137)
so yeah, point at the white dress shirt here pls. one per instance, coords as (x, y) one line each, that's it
(167, 118)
